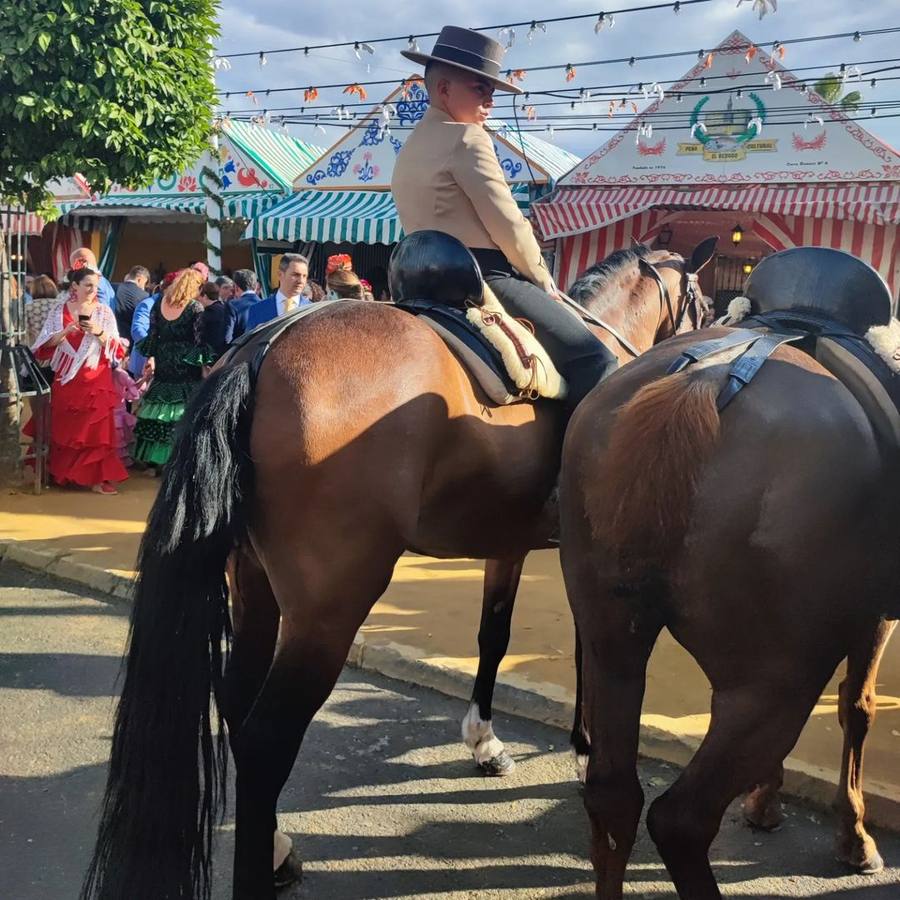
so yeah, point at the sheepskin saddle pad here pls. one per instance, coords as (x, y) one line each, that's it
(499, 351)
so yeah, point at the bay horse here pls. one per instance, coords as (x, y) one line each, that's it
(362, 437)
(766, 540)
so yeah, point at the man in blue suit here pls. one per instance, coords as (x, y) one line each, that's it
(239, 306)
(293, 273)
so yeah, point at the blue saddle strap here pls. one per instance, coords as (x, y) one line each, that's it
(748, 364)
(704, 349)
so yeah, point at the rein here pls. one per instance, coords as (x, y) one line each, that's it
(588, 316)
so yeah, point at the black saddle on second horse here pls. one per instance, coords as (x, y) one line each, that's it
(822, 283)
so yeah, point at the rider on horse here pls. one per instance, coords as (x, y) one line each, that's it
(447, 178)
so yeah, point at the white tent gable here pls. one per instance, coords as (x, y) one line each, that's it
(733, 149)
(364, 158)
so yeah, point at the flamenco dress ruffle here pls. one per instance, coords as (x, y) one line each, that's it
(83, 438)
(160, 411)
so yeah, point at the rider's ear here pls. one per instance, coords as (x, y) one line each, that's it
(703, 253)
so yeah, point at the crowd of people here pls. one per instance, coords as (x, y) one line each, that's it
(125, 360)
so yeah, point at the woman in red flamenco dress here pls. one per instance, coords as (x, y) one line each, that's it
(80, 341)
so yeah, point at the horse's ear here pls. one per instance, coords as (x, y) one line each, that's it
(646, 268)
(703, 253)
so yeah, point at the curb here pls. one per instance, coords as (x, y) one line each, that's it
(514, 694)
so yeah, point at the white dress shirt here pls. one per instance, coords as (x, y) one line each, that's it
(280, 300)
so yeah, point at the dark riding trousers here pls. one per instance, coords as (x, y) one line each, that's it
(580, 357)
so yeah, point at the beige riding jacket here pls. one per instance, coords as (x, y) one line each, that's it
(447, 178)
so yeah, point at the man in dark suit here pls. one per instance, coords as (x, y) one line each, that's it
(128, 294)
(293, 273)
(239, 306)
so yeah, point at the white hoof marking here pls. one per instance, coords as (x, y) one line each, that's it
(479, 736)
(283, 846)
(581, 764)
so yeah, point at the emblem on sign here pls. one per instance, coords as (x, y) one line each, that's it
(729, 134)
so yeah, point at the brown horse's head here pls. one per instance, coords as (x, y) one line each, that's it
(649, 295)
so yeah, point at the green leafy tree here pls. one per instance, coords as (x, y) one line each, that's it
(118, 90)
(829, 88)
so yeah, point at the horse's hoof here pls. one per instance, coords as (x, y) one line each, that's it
(770, 826)
(289, 872)
(872, 864)
(499, 765)
(770, 818)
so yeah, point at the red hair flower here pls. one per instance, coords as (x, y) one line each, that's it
(338, 261)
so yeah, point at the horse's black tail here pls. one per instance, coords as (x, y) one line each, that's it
(166, 784)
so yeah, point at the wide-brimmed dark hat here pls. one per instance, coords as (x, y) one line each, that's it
(470, 51)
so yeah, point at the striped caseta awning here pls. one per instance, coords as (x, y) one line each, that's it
(235, 205)
(570, 211)
(357, 217)
(368, 217)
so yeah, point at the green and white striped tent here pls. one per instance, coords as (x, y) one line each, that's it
(352, 217)
(344, 196)
(257, 167)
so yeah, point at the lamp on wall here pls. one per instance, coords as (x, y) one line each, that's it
(737, 235)
(664, 238)
(747, 267)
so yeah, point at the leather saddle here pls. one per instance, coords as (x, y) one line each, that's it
(847, 356)
(434, 276)
(822, 283)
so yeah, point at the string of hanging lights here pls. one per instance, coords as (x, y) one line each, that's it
(778, 50)
(604, 93)
(506, 33)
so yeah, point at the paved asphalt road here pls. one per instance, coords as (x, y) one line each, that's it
(382, 804)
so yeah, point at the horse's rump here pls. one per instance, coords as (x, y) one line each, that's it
(662, 431)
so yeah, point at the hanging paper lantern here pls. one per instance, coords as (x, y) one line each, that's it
(311, 94)
(357, 89)
(570, 72)
(761, 7)
(533, 30)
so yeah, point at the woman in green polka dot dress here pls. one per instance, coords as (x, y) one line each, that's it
(176, 358)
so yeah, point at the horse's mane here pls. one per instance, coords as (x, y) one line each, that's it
(593, 282)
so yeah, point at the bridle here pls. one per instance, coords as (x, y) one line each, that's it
(693, 296)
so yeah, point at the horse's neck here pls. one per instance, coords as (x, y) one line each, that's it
(634, 313)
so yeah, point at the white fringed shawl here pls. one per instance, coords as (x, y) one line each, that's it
(66, 360)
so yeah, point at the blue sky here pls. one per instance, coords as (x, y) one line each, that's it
(279, 23)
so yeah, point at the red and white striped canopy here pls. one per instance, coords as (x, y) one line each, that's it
(570, 211)
(14, 218)
(878, 245)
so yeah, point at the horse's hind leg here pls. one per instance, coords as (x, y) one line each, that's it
(753, 727)
(255, 617)
(323, 599)
(501, 581)
(617, 646)
(856, 710)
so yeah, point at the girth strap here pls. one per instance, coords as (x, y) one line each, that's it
(759, 346)
(737, 338)
(745, 367)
